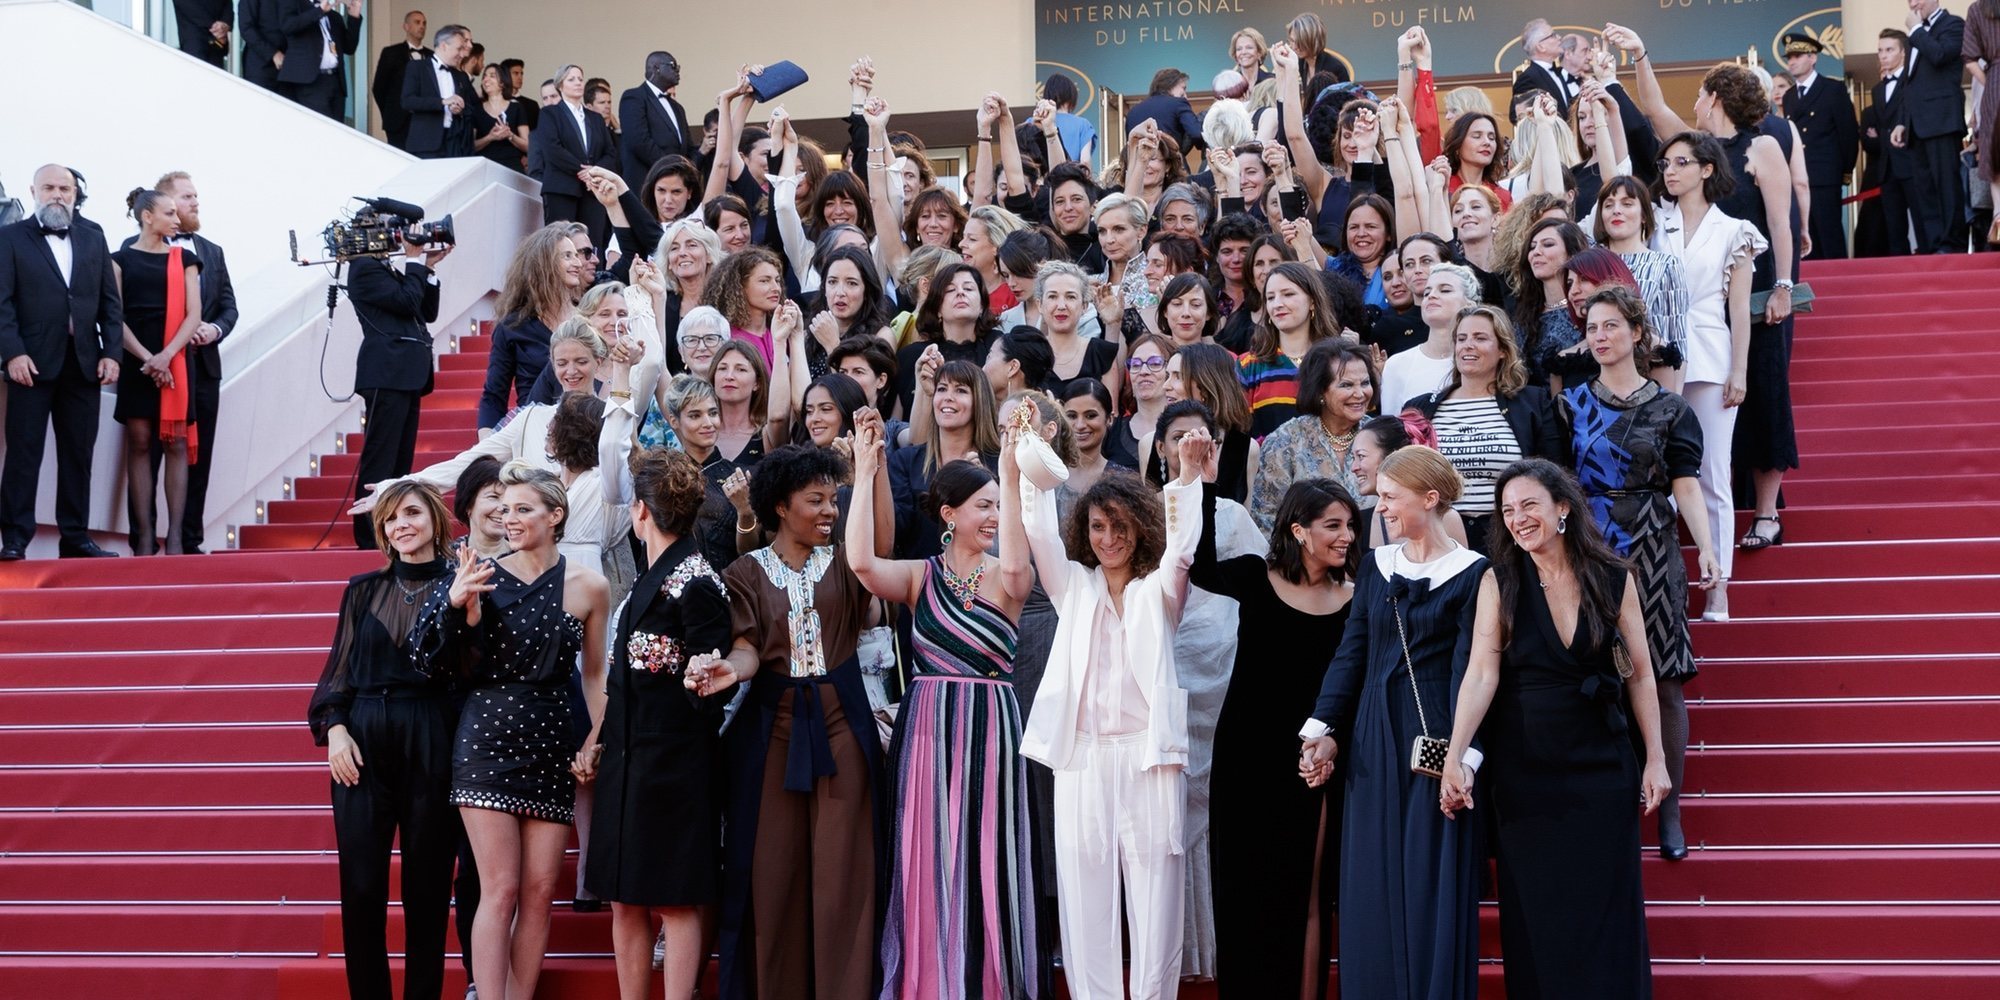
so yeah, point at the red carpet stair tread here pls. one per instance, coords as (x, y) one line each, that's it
(166, 830)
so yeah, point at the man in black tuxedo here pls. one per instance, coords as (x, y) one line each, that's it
(435, 95)
(319, 36)
(204, 352)
(1932, 123)
(1544, 71)
(655, 124)
(572, 137)
(1819, 107)
(389, 70)
(393, 371)
(1903, 169)
(263, 42)
(204, 28)
(1871, 228)
(61, 331)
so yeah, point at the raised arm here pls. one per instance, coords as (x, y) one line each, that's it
(1017, 566)
(734, 109)
(889, 248)
(1311, 174)
(1405, 176)
(1649, 97)
(1044, 120)
(788, 364)
(898, 580)
(1031, 513)
(1183, 502)
(1012, 173)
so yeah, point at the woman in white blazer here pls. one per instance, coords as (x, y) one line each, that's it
(1110, 717)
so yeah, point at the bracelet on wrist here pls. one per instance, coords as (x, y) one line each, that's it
(1641, 57)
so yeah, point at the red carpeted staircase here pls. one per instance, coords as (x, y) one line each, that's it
(166, 830)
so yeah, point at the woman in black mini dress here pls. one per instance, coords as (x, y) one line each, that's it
(159, 325)
(527, 616)
(656, 837)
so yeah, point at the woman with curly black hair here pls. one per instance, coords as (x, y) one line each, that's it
(804, 817)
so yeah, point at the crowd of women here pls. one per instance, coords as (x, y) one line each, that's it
(898, 590)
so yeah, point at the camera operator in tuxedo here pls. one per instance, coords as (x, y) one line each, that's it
(394, 370)
(61, 338)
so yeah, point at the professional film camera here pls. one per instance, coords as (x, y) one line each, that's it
(379, 229)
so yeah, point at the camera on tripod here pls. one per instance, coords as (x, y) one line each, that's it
(380, 229)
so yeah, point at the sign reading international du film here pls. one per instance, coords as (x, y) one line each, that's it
(1118, 45)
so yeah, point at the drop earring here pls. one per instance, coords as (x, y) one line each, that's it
(949, 527)
(1562, 524)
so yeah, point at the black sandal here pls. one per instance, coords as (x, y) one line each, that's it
(1752, 541)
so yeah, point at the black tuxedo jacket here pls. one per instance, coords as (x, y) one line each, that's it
(299, 24)
(1534, 77)
(193, 18)
(424, 104)
(393, 307)
(1825, 119)
(1898, 164)
(388, 85)
(218, 305)
(564, 152)
(1875, 147)
(649, 134)
(1936, 105)
(262, 38)
(41, 317)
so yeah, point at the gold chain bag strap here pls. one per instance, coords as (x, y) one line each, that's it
(1427, 754)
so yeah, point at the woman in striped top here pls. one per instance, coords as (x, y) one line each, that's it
(1297, 315)
(1487, 416)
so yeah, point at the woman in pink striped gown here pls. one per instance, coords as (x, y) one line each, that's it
(960, 923)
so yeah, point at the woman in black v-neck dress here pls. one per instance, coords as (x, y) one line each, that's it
(1269, 832)
(1560, 780)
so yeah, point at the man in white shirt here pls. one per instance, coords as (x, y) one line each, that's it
(1544, 69)
(435, 94)
(389, 68)
(655, 124)
(318, 35)
(61, 324)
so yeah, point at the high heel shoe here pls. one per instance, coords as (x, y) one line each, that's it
(1673, 843)
(1752, 541)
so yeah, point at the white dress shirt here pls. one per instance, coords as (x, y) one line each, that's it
(329, 56)
(64, 252)
(576, 112)
(445, 86)
(667, 106)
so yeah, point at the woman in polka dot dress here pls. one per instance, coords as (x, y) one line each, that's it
(525, 617)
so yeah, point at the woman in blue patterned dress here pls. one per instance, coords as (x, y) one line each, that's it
(1638, 456)
(960, 920)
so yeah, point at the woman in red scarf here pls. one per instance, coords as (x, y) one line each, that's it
(161, 285)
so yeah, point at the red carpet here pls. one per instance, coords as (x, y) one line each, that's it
(167, 834)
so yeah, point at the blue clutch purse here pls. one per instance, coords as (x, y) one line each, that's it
(777, 78)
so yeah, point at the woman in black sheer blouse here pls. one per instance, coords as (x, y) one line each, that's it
(388, 732)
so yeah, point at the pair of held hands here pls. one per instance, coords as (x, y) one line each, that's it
(1316, 757)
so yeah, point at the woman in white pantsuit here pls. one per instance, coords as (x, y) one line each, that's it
(1110, 717)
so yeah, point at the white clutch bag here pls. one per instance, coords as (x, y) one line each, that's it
(1038, 462)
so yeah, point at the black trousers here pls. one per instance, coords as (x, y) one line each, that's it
(1939, 202)
(207, 397)
(388, 447)
(262, 73)
(584, 209)
(1900, 196)
(1829, 236)
(322, 94)
(71, 402)
(405, 786)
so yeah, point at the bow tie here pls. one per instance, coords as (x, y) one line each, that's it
(61, 234)
(1402, 588)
